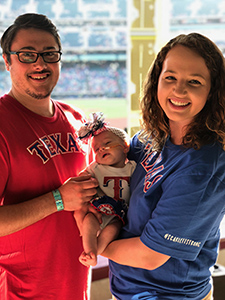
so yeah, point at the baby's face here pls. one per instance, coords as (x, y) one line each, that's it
(109, 149)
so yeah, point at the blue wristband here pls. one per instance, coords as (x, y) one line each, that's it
(58, 200)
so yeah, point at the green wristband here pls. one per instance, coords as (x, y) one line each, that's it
(58, 200)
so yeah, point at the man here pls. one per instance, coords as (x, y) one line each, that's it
(40, 157)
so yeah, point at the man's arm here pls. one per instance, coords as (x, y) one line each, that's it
(132, 252)
(75, 193)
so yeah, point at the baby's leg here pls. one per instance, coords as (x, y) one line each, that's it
(108, 234)
(91, 228)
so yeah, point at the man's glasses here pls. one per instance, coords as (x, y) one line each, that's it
(28, 57)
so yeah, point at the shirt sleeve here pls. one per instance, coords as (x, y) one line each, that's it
(90, 169)
(188, 212)
(4, 167)
(136, 149)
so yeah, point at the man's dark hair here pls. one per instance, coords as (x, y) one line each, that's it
(26, 21)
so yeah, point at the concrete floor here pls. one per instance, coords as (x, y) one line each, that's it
(100, 290)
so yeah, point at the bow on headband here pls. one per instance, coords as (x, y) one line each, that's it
(92, 127)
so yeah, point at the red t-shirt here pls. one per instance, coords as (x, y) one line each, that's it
(37, 154)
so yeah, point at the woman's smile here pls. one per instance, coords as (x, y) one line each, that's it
(183, 87)
(179, 103)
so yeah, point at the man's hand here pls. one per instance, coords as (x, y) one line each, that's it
(77, 191)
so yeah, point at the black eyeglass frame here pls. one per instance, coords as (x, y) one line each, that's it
(38, 54)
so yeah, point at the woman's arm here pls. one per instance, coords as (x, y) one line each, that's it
(132, 252)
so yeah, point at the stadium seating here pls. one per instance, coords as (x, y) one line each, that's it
(84, 80)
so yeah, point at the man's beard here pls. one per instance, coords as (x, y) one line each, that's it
(39, 95)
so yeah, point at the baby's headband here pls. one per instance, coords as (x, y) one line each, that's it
(96, 126)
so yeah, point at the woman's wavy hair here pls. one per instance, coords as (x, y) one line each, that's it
(208, 125)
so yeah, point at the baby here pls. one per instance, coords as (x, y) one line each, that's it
(113, 171)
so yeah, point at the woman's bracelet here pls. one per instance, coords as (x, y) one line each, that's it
(58, 200)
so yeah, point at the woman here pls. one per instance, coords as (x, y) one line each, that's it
(178, 188)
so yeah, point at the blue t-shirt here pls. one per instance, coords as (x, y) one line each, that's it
(176, 206)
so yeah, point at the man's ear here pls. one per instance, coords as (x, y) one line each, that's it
(7, 64)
